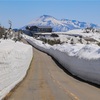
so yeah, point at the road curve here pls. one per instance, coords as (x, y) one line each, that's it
(45, 80)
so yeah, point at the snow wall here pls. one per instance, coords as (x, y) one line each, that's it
(15, 59)
(89, 70)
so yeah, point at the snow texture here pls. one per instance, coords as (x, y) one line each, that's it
(80, 59)
(15, 58)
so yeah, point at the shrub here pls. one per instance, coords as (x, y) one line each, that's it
(98, 43)
(54, 35)
(2, 30)
(51, 42)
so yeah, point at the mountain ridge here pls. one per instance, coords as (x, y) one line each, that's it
(60, 25)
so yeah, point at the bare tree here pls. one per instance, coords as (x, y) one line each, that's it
(10, 23)
(1, 31)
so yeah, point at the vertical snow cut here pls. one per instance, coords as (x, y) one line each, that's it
(15, 58)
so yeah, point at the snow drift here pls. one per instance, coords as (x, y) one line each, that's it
(15, 59)
(81, 60)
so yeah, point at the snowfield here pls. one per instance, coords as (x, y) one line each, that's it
(82, 60)
(15, 58)
(80, 32)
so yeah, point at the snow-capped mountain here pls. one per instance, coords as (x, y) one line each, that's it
(60, 25)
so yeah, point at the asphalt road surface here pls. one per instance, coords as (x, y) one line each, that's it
(46, 80)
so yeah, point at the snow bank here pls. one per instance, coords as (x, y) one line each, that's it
(81, 60)
(15, 59)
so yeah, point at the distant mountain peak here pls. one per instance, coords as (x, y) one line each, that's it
(60, 25)
(45, 16)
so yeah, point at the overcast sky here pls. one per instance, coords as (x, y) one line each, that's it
(21, 12)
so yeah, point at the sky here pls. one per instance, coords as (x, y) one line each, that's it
(22, 12)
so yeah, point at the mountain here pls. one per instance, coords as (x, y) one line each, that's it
(60, 25)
